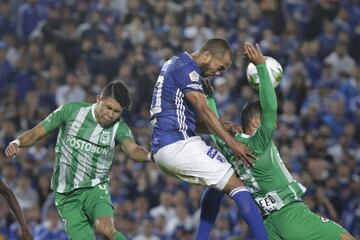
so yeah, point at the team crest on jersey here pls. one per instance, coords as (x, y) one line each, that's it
(105, 137)
(194, 76)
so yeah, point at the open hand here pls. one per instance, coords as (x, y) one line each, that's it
(253, 54)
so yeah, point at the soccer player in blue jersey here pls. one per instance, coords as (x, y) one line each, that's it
(10, 198)
(178, 104)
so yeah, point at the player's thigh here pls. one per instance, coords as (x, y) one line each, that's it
(193, 161)
(297, 222)
(98, 202)
(76, 222)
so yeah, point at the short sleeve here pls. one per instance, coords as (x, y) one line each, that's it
(56, 118)
(123, 132)
(188, 79)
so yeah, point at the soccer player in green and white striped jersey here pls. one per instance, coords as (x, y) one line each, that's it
(276, 192)
(85, 148)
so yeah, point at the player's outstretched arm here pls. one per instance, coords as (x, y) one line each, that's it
(26, 139)
(198, 101)
(267, 93)
(14, 206)
(135, 151)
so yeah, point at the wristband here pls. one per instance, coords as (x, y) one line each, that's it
(16, 141)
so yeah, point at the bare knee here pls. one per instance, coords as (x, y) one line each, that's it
(234, 182)
(346, 236)
(105, 228)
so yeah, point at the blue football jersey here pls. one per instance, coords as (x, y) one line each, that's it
(172, 116)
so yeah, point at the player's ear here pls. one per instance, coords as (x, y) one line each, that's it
(255, 123)
(252, 123)
(98, 99)
(207, 56)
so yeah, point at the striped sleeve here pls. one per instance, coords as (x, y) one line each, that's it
(123, 132)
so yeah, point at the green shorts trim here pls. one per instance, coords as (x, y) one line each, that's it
(296, 222)
(80, 208)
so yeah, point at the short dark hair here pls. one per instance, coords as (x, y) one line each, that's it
(119, 92)
(250, 110)
(218, 47)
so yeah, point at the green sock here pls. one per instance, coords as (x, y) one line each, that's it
(119, 236)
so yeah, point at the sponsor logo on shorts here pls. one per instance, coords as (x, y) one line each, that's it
(212, 152)
(220, 158)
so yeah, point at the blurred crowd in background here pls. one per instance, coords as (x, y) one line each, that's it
(58, 51)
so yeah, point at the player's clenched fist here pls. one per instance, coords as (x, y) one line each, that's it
(12, 149)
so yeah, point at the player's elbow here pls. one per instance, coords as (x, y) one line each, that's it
(269, 112)
(273, 107)
(204, 113)
(269, 108)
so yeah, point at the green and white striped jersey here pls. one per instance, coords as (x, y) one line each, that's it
(84, 149)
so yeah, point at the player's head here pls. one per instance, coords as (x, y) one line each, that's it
(251, 117)
(114, 98)
(214, 57)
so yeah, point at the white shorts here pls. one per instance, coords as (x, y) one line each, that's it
(193, 161)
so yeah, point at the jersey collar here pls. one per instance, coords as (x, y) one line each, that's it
(192, 60)
(243, 135)
(186, 53)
